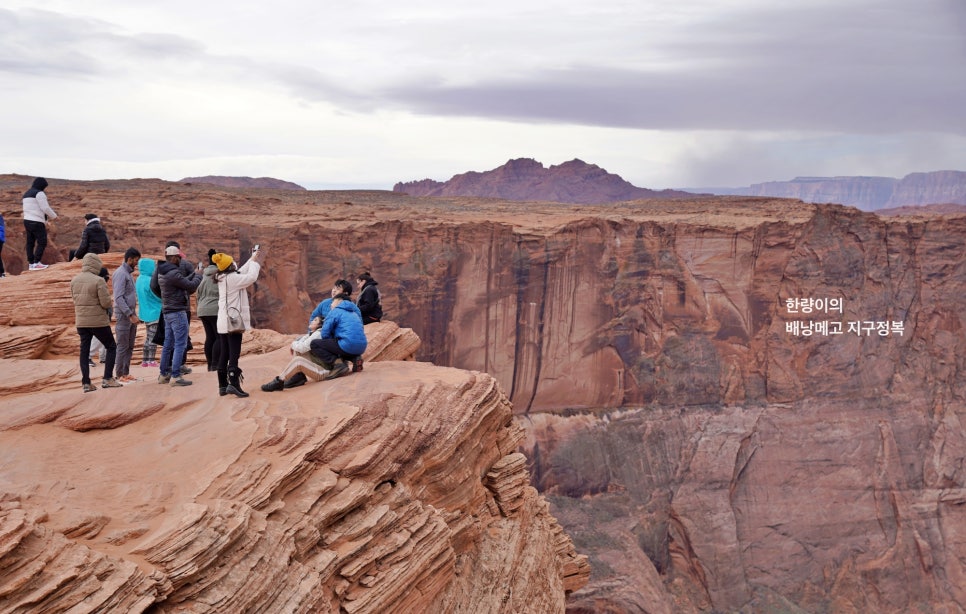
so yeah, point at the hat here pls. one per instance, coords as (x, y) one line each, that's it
(172, 250)
(222, 261)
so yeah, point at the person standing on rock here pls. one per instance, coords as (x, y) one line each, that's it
(187, 269)
(234, 316)
(176, 288)
(370, 301)
(208, 312)
(3, 237)
(92, 300)
(36, 213)
(149, 311)
(125, 313)
(93, 239)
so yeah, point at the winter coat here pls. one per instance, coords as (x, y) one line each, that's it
(91, 297)
(149, 305)
(176, 287)
(321, 310)
(208, 293)
(370, 302)
(344, 324)
(93, 240)
(35, 205)
(232, 293)
(125, 294)
(3, 229)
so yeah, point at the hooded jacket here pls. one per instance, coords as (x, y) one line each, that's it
(370, 302)
(208, 293)
(3, 230)
(35, 205)
(93, 240)
(149, 305)
(176, 287)
(91, 296)
(232, 293)
(344, 324)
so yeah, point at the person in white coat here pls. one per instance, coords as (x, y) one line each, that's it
(234, 316)
(36, 215)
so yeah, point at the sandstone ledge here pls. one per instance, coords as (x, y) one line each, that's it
(394, 489)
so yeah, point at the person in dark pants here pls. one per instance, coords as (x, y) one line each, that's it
(234, 316)
(343, 339)
(208, 312)
(36, 213)
(92, 300)
(175, 290)
(125, 310)
(187, 269)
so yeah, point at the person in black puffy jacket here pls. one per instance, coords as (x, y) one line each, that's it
(94, 239)
(369, 301)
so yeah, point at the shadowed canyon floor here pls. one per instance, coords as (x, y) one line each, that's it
(696, 444)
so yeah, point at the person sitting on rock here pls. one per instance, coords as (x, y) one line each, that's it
(341, 288)
(94, 239)
(343, 340)
(370, 300)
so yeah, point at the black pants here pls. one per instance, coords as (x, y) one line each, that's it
(104, 335)
(36, 235)
(212, 346)
(228, 352)
(328, 350)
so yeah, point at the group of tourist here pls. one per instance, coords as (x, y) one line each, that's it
(157, 293)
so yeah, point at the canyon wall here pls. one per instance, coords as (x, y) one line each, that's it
(706, 452)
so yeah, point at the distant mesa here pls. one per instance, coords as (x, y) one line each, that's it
(575, 182)
(866, 193)
(244, 182)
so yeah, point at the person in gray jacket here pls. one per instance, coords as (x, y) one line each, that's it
(208, 312)
(92, 300)
(125, 312)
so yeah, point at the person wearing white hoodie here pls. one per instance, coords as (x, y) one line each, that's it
(36, 213)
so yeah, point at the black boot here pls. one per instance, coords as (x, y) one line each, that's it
(222, 383)
(234, 383)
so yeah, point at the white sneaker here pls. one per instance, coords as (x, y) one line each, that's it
(37, 266)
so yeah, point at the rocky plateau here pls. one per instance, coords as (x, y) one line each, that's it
(703, 450)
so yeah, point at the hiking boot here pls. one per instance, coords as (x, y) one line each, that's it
(111, 383)
(338, 370)
(272, 386)
(298, 378)
(222, 382)
(180, 382)
(164, 379)
(89, 387)
(357, 364)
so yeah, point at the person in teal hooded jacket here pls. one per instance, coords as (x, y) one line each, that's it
(149, 311)
(343, 339)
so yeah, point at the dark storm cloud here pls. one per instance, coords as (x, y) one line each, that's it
(865, 67)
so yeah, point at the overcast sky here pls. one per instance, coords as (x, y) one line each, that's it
(665, 93)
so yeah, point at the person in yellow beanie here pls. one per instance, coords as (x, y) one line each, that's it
(234, 316)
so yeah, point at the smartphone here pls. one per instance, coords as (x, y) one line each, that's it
(255, 249)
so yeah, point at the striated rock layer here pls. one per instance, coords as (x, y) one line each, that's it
(397, 489)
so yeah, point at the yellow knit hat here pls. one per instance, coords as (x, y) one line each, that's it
(222, 261)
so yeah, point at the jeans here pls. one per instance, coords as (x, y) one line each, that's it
(103, 334)
(126, 332)
(175, 342)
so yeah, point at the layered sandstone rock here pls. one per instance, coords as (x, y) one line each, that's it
(394, 489)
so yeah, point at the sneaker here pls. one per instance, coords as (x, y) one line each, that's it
(127, 379)
(111, 383)
(164, 379)
(272, 386)
(144, 363)
(37, 266)
(152, 363)
(89, 387)
(338, 370)
(357, 364)
(185, 370)
(298, 378)
(180, 382)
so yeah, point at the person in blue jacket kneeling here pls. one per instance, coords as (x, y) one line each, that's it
(343, 339)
